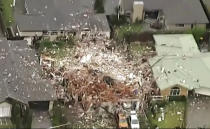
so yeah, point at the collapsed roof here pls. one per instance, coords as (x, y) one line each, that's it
(191, 71)
(54, 15)
(20, 74)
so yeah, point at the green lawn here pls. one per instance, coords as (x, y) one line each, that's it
(136, 49)
(9, 125)
(7, 11)
(172, 119)
(127, 29)
(56, 49)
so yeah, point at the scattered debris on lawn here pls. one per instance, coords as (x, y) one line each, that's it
(100, 76)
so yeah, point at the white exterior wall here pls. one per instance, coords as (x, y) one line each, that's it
(5, 110)
(30, 34)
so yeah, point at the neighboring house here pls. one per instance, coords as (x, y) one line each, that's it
(5, 114)
(179, 67)
(206, 4)
(53, 18)
(20, 79)
(170, 14)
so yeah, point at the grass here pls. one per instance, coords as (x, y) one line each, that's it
(55, 49)
(172, 119)
(136, 48)
(57, 117)
(197, 33)
(127, 29)
(7, 10)
(9, 125)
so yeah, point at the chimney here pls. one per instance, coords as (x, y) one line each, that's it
(14, 2)
(138, 10)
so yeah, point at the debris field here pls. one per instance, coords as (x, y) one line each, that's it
(97, 72)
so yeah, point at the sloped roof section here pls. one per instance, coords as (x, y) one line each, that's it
(189, 68)
(189, 72)
(54, 15)
(20, 74)
(176, 44)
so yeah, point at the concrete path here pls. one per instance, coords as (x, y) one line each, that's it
(198, 112)
(40, 119)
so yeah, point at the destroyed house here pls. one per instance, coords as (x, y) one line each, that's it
(169, 14)
(179, 67)
(53, 18)
(20, 77)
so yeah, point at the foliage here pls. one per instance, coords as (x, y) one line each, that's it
(127, 29)
(7, 12)
(57, 117)
(57, 49)
(114, 21)
(197, 33)
(99, 6)
(19, 118)
(172, 119)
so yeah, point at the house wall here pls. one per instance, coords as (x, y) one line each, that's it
(166, 92)
(53, 37)
(186, 26)
(30, 34)
(203, 26)
(174, 27)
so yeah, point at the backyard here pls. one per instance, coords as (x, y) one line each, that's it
(55, 49)
(124, 30)
(174, 115)
(7, 12)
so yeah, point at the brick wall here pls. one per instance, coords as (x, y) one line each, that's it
(166, 92)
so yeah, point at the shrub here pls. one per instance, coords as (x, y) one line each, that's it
(57, 117)
(197, 33)
(99, 6)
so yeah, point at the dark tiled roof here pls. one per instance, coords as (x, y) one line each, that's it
(59, 15)
(175, 11)
(179, 11)
(20, 74)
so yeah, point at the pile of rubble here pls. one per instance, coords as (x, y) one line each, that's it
(93, 88)
(97, 72)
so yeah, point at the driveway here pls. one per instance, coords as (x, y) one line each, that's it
(198, 112)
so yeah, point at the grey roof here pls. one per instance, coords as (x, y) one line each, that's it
(190, 69)
(175, 11)
(179, 11)
(20, 74)
(175, 44)
(189, 72)
(56, 15)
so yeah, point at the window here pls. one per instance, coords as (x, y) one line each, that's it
(180, 25)
(54, 33)
(45, 32)
(175, 91)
